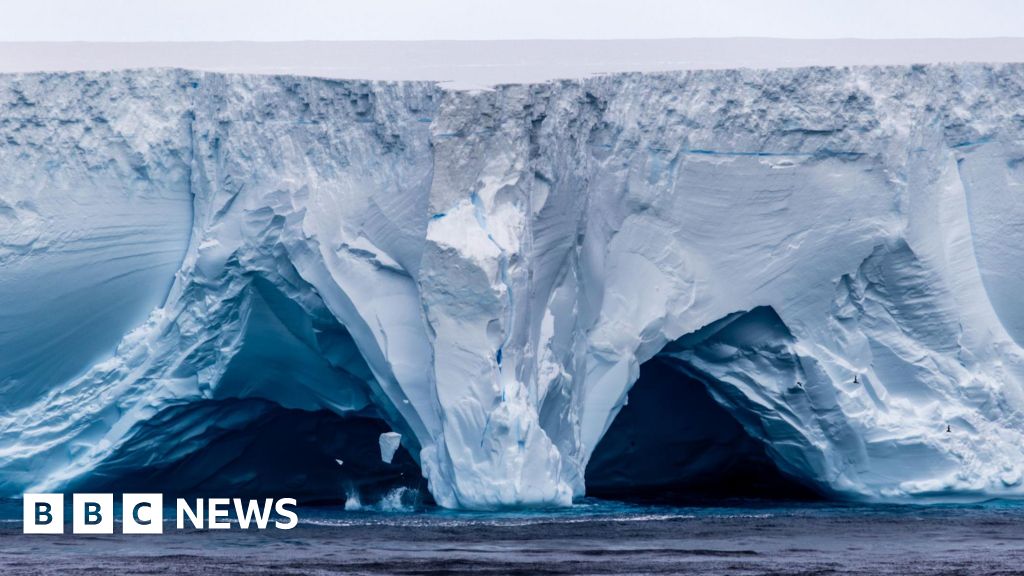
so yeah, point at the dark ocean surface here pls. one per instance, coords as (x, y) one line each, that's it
(593, 537)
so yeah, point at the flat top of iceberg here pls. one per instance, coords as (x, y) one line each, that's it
(470, 64)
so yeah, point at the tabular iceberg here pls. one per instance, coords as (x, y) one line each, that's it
(834, 253)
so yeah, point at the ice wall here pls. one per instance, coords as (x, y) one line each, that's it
(486, 270)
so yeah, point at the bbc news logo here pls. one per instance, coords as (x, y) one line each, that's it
(143, 513)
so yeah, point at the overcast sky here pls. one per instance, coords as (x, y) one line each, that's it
(193, 20)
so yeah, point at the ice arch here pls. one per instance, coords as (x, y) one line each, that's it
(207, 410)
(722, 411)
(673, 442)
(291, 415)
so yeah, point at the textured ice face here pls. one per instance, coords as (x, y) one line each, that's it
(486, 271)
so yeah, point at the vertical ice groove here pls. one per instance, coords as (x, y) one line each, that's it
(488, 270)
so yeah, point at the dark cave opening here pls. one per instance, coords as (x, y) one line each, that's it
(255, 448)
(674, 443)
(293, 402)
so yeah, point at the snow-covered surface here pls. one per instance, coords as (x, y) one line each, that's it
(479, 64)
(486, 270)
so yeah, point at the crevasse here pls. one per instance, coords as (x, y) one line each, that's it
(485, 271)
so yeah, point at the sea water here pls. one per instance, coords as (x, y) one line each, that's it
(592, 537)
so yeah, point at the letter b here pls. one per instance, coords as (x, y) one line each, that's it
(43, 514)
(93, 514)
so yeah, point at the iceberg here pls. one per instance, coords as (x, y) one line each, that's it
(196, 267)
(389, 443)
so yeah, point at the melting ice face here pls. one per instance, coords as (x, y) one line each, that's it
(194, 264)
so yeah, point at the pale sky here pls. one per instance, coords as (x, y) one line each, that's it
(267, 20)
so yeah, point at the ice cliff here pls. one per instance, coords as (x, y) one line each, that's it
(834, 254)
